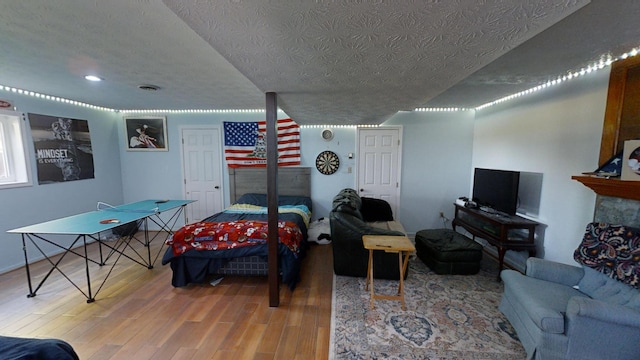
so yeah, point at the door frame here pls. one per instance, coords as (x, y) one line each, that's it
(399, 171)
(220, 162)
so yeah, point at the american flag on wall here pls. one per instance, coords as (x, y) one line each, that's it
(245, 143)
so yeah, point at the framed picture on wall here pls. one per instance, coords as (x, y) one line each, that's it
(146, 133)
(631, 160)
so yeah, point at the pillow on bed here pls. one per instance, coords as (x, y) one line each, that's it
(253, 199)
(261, 200)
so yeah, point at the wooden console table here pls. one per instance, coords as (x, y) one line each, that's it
(503, 232)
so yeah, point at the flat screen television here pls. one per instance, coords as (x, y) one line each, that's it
(496, 189)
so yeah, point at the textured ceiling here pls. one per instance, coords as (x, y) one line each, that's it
(358, 61)
(338, 62)
(48, 46)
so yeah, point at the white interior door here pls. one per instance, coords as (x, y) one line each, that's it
(202, 171)
(379, 164)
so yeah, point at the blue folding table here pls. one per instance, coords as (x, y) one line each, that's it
(91, 224)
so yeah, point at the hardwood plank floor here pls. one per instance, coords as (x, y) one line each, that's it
(139, 315)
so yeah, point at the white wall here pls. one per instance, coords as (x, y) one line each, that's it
(436, 165)
(158, 174)
(37, 203)
(325, 187)
(555, 132)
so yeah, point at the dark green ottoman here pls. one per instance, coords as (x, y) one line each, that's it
(447, 252)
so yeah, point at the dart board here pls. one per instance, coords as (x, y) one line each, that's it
(327, 162)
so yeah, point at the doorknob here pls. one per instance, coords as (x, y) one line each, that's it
(361, 190)
(216, 187)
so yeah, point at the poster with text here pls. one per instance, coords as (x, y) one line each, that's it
(62, 148)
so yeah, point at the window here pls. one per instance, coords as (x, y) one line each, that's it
(14, 163)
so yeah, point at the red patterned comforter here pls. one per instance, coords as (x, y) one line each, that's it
(232, 234)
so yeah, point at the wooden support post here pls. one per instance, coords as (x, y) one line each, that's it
(272, 197)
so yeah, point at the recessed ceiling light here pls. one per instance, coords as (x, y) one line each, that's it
(148, 87)
(93, 78)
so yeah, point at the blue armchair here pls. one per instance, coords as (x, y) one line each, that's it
(561, 311)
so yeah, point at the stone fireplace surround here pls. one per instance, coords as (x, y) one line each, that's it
(615, 210)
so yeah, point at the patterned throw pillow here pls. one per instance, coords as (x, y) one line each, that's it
(613, 250)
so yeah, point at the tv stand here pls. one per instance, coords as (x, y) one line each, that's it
(503, 232)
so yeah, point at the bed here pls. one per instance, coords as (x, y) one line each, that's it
(196, 253)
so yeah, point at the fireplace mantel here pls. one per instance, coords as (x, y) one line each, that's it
(611, 187)
(620, 124)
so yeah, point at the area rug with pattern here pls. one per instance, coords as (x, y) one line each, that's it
(447, 317)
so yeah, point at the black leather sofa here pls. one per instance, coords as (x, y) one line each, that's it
(350, 218)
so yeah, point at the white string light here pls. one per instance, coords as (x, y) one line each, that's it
(337, 126)
(449, 109)
(570, 76)
(53, 98)
(195, 111)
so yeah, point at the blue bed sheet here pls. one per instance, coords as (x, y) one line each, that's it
(196, 266)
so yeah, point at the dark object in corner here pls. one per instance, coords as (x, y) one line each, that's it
(375, 210)
(447, 252)
(127, 229)
(13, 348)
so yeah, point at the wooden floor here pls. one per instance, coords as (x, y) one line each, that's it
(139, 315)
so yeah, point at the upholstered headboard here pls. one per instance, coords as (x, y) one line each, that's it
(291, 181)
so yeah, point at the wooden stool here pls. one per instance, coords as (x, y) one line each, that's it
(391, 244)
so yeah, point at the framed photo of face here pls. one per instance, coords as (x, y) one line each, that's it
(146, 133)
